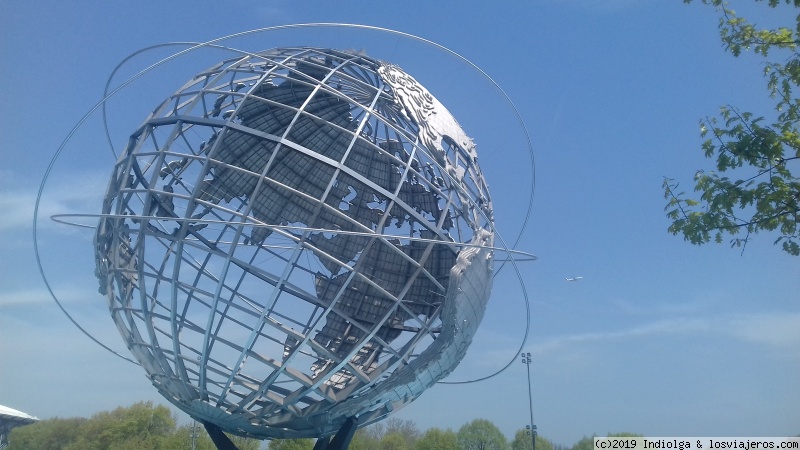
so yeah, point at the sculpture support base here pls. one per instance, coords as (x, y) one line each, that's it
(220, 439)
(341, 440)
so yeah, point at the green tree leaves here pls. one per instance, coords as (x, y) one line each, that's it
(481, 434)
(46, 435)
(761, 153)
(291, 444)
(522, 441)
(437, 439)
(141, 426)
(144, 426)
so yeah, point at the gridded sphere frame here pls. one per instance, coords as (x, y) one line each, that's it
(294, 238)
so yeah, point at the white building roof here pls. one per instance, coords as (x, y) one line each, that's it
(8, 414)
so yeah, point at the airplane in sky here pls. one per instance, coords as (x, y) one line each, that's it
(573, 278)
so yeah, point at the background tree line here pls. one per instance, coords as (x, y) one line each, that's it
(140, 427)
(479, 434)
(144, 426)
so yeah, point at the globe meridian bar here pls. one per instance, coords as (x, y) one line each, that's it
(294, 238)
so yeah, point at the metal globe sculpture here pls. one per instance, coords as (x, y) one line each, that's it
(295, 238)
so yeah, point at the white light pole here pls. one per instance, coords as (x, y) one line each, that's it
(194, 434)
(526, 359)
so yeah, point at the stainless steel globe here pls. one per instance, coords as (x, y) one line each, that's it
(294, 238)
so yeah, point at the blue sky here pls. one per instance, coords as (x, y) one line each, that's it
(660, 337)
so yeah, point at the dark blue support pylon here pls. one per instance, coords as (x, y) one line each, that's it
(341, 440)
(220, 439)
(322, 443)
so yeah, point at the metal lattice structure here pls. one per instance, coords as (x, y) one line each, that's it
(294, 238)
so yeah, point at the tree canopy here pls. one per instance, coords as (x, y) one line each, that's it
(481, 434)
(48, 434)
(522, 441)
(141, 426)
(755, 186)
(144, 426)
(437, 439)
(586, 443)
(291, 444)
(393, 441)
(405, 429)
